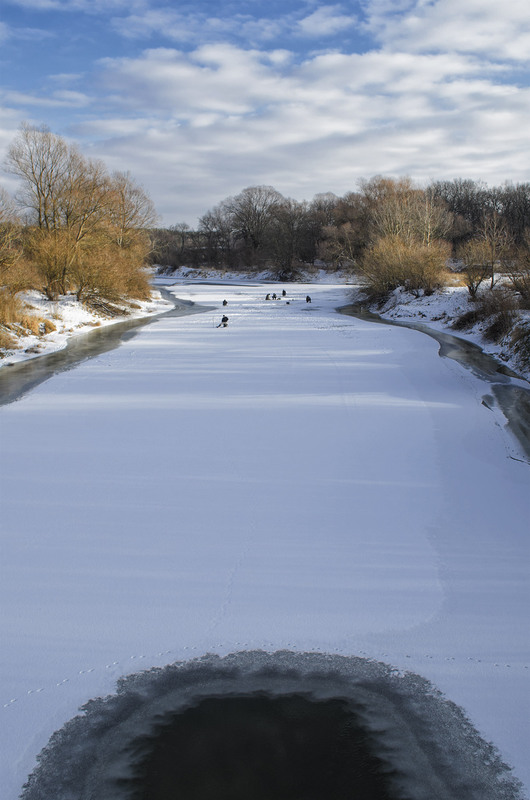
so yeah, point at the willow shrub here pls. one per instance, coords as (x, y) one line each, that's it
(105, 271)
(393, 261)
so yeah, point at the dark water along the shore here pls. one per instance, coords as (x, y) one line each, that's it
(18, 379)
(513, 399)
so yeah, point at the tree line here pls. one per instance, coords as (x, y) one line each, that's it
(391, 231)
(72, 228)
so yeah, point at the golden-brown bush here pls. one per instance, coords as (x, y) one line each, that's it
(109, 271)
(391, 262)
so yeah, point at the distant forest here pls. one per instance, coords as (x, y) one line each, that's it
(387, 223)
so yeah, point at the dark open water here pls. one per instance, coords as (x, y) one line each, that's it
(259, 747)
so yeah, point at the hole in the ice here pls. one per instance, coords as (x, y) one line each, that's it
(260, 747)
(271, 725)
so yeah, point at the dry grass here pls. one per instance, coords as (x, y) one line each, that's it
(467, 320)
(30, 323)
(10, 307)
(7, 341)
(16, 320)
(520, 343)
(101, 305)
(497, 308)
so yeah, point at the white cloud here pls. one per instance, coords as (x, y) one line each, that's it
(221, 118)
(325, 21)
(9, 125)
(190, 28)
(163, 20)
(56, 99)
(195, 127)
(87, 6)
(486, 27)
(23, 34)
(216, 78)
(66, 77)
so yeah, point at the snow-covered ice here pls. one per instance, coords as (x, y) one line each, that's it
(298, 480)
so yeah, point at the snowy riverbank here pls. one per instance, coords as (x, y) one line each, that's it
(70, 318)
(440, 310)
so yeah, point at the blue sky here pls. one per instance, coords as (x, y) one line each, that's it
(199, 100)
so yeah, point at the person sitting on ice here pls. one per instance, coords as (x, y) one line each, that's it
(268, 297)
(284, 293)
(225, 302)
(308, 299)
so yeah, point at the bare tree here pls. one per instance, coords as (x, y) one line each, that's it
(474, 255)
(215, 228)
(466, 200)
(288, 235)
(396, 207)
(251, 215)
(340, 244)
(131, 210)
(10, 247)
(516, 211)
(40, 159)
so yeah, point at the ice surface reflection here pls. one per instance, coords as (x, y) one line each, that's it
(396, 732)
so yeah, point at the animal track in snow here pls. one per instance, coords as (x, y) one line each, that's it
(266, 645)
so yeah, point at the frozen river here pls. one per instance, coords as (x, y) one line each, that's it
(298, 481)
